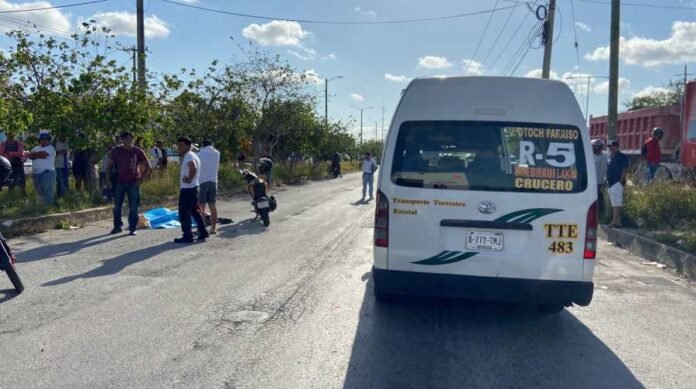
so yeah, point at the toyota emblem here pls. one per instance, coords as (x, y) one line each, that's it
(486, 207)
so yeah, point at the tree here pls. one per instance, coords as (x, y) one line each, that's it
(672, 95)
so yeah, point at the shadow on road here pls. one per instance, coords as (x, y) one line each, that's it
(46, 251)
(419, 343)
(244, 227)
(7, 294)
(117, 264)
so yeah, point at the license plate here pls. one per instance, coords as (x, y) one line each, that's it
(484, 241)
(262, 205)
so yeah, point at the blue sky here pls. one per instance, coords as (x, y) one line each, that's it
(378, 60)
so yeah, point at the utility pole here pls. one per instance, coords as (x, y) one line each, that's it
(134, 53)
(587, 98)
(326, 99)
(614, 69)
(548, 38)
(361, 120)
(141, 43)
(376, 127)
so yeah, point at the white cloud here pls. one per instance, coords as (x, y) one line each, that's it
(603, 87)
(357, 97)
(188, 1)
(679, 48)
(331, 56)
(126, 24)
(52, 20)
(583, 26)
(472, 68)
(395, 78)
(312, 77)
(433, 62)
(577, 82)
(276, 33)
(651, 90)
(365, 12)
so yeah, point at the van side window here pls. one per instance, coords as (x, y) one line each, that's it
(490, 156)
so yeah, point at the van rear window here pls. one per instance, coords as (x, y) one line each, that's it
(490, 156)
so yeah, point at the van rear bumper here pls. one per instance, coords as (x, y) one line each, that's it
(482, 288)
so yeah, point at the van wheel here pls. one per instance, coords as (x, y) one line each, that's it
(550, 308)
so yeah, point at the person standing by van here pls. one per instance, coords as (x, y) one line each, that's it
(617, 169)
(369, 167)
(600, 161)
(210, 165)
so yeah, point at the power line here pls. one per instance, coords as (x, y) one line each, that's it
(512, 38)
(577, 49)
(497, 38)
(485, 30)
(14, 11)
(339, 22)
(639, 5)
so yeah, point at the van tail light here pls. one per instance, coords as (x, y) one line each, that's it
(591, 233)
(382, 221)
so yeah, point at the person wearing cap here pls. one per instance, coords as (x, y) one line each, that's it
(600, 161)
(44, 168)
(208, 178)
(617, 169)
(653, 153)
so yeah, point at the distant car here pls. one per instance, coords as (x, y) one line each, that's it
(28, 166)
(172, 155)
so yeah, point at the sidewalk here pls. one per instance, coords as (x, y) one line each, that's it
(679, 261)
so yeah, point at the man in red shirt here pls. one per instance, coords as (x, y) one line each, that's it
(131, 166)
(653, 152)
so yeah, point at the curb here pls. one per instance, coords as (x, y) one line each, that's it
(37, 224)
(683, 262)
(32, 225)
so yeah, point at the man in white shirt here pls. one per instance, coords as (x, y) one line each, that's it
(188, 194)
(207, 194)
(155, 157)
(43, 168)
(369, 167)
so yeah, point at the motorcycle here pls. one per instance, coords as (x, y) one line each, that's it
(7, 264)
(7, 260)
(258, 191)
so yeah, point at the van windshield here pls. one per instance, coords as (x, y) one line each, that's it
(490, 156)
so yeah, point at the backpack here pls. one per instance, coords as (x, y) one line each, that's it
(644, 150)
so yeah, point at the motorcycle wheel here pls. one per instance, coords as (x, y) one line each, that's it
(14, 278)
(265, 217)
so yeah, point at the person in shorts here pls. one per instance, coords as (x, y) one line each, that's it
(617, 169)
(210, 165)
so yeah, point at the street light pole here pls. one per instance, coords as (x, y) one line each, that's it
(361, 120)
(615, 32)
(587, 98)
(326, 99)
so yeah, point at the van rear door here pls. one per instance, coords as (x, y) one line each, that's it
(494, 199)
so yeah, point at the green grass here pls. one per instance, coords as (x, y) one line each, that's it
(155, 191)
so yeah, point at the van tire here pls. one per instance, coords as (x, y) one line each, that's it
(550, 309)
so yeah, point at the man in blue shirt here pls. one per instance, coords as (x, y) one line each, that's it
(617, 169)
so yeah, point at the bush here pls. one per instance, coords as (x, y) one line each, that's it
(661, 206)
(229, 179)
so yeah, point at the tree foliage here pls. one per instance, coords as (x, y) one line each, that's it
(255, 106)
(670, 96)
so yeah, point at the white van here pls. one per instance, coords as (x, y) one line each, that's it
(487, 190)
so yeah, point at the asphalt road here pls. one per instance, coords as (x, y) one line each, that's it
(292, 307)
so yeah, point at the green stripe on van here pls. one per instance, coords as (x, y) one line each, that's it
(525, 216)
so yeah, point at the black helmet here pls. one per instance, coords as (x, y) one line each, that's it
(5, 169)
(658, 131)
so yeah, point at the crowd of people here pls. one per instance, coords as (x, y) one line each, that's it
(612, 170)
(55, 160)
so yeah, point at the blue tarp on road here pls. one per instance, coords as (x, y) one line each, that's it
(163, 218)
